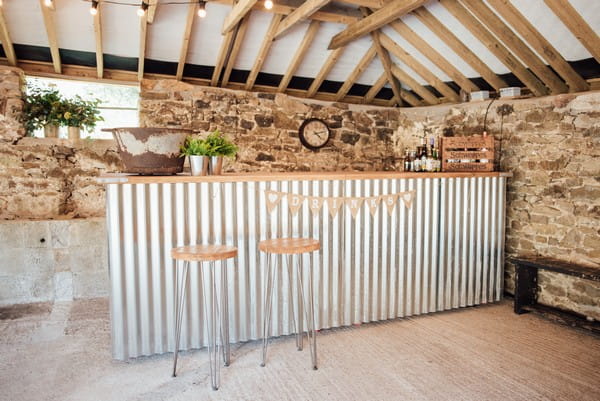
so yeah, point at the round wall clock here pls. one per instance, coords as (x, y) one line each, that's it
(314, 133)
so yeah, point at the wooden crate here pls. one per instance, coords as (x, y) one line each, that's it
(478, 149)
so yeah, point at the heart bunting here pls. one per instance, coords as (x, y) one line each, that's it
(272, 198)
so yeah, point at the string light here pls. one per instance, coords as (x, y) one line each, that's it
(142, 10)
(48, 3)
(201, 9)
(268, 4)
(94, 9)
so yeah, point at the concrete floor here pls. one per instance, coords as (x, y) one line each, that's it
(61, 352)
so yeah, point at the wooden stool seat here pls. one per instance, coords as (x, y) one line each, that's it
(204, 253)
(289, 245)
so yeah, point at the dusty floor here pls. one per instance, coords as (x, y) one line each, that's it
(61, 352)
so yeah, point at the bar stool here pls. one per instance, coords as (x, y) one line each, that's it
(290, 247)
(205, 253)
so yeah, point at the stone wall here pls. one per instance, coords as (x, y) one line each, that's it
(265, 126)
(552, 147)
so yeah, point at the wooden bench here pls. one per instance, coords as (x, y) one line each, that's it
(526, 278)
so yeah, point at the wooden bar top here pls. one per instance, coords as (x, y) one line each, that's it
(120, 178)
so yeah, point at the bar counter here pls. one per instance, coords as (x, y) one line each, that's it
(444, 252)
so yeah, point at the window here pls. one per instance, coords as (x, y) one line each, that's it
(119, 105)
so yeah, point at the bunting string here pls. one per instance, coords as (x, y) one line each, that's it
(334, 203)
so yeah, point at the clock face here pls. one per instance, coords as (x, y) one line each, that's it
(314, 133)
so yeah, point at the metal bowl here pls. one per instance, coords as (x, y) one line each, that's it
(150, 151)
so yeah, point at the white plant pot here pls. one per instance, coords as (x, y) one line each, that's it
(74, 133)
(51, 131)
(216, 165)
(199, 165)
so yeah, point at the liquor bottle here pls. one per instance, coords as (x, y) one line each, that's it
(424, 158)
(417, 159)
(407, 161)
(413, 166)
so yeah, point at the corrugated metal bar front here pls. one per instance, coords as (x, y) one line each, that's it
(445, 252)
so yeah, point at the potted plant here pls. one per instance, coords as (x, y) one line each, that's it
(218, 147)
(42, 109)
(198, 152)
(78, 114)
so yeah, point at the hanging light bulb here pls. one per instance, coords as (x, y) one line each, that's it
(268, 4)
(94, 9)
(142, 10)
(0, 3)
(201, 9)
(48, 3)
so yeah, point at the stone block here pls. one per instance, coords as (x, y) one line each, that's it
(11, 235)
(87, 232)
(90, 285)
(60, 233)
(63, 286)
(36, 234)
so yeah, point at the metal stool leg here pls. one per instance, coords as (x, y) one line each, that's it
(309, 313)
(211, 312)
(181, 284)
(224, 313)
(295, 316)
(267, 312)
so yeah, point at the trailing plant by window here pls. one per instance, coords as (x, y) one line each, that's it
(81, 113)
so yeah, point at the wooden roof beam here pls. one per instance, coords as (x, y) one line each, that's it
(577, 25)
(7, 44)
(391, 11)
(380, 83)
(48, 14)
(427, 96)
(540, 44)
(142, 51)
(307, 9)
(264, 50)
(438, 28)
(98, 38)
(237, 44)
(356, 73)
(309, 36)
(434, 56)
(497, 48)
(223, 55)
(187, 33)
(152, 6)
(419, 68)
(518, 47)
(334, 56)
(239, 10)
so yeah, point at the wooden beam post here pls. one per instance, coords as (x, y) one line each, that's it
(142, 52)
(497, 48)
(427, 96)
(48, 14)
(239, 10)
(309, 36)
(264, 50)
(7, 44)
(334, 56)
(307, 9)
(98, 38)
(459, 47)
(356, 73)
(185, 44)
(237, 45)
(577, 25)
(391, 11)
(224, 52)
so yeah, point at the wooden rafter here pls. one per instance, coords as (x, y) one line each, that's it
(224, 52)
(142, 53)
(418, 68)
(81, 73)
(7, 44)
(356, 73)
(459, 47)
(152, 6)
(499, 50)
(386, 61)
(264, 50)
(98, 38)
(235, 49)
(434, 56)
(48, 14)
(309, 36)
(376, 87)
(577, 25)
(516, 45)
(427, 96)
(391, 11)
(301, 13)
(366, 3)
(239, 10)
(187, 33)
(334, 56)
(540, 44)
(380, 83)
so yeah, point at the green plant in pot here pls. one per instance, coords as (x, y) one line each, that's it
(197, 150)
(219, 147)
(78, 114)
(42, 109)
